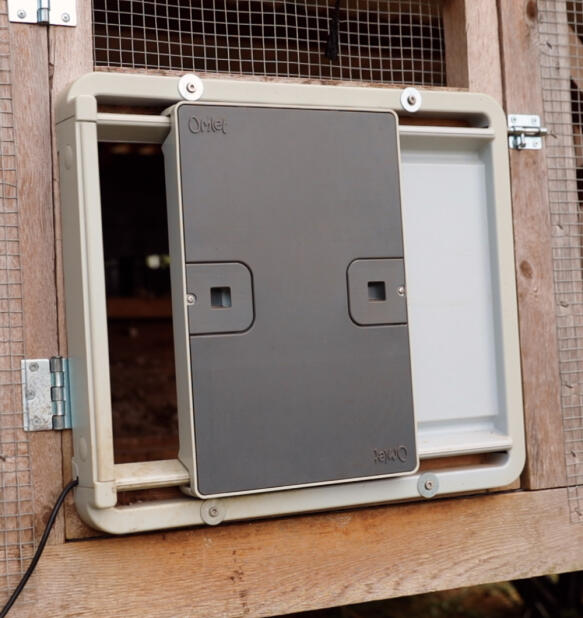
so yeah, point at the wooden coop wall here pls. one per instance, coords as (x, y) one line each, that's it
(292, 564)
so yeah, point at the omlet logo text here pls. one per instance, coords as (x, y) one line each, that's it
(207, 125)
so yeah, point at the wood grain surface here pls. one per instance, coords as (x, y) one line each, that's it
(32, 127)
(70, 55)
(532, 236)
(472, 54)
(288, 565)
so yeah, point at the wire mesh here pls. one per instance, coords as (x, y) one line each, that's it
(561, 44)
(398, 41)
(16, 492)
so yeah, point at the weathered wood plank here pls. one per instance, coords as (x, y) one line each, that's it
(70, 55)
(472, 53)
(560, 65)
(294, 564)
(532, 236)
(32, 127)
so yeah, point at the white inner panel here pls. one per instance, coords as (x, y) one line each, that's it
(449, 287)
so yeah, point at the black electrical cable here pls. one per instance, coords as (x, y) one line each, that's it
(39, 549)
(332, 42)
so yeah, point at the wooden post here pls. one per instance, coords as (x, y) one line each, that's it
(70, 56)
(561, 66)
(32, 127)
(472, 55)
(532, 237)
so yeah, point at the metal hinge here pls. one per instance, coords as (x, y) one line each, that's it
(50, 12)
(45, 394)
(525, 132)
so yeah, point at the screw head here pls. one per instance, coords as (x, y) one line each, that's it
(214, 511)
(21, 13)
(429, 484)
(411, 100)
(190, 299)
(30, 394)
(190, 87)
(401, 290)
(65, 17)
(33, 366)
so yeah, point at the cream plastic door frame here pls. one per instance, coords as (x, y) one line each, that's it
(448, 428)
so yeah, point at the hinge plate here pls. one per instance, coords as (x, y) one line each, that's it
(52, 12)
(45, 394)
(525, 132)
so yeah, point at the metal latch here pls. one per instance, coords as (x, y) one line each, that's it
(45, 394)
(525, 132)
(50, 12)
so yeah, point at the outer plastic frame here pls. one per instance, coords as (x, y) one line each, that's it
(79, 126)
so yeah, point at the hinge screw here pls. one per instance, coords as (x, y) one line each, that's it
(411, 99)
(190, 299)
(21, 13)
(30, 394)
(191, 87)
(214, 511)
(428, 484)
(66, 17)
(33, 367)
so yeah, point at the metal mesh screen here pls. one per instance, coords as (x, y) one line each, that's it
(16, 519)
(561, 34)
(399, 41)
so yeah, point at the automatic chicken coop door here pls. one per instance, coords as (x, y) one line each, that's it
(300, 368)
(343, 296)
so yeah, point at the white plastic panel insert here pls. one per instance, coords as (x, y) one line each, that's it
(453, 299)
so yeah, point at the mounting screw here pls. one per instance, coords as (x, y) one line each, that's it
(411, 99)
(190, 87)
(190, 299)
(65, 17)
(21, 13)
(401, 290)
(427, 485)
(30, 394)
(33, 366)
(212, 512)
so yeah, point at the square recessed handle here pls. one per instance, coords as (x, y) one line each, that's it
(376, 292)
(221, 298)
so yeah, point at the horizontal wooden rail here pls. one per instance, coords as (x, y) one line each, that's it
(287, 565)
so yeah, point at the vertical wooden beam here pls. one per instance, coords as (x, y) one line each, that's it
(32, 127)
(70, 56)
(472, 54)
(456, 43)
(532, 235)
(562, 65)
